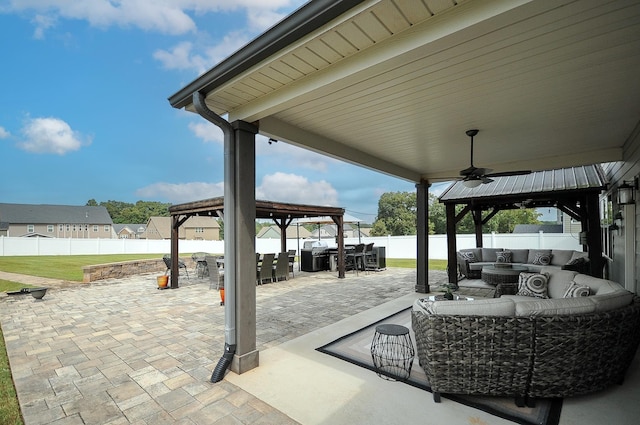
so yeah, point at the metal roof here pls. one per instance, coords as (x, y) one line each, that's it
(536, 184)
(54, 214)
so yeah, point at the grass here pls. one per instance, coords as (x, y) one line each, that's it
(69, 267)
(9, 408)
(65, 267)
(411, 263)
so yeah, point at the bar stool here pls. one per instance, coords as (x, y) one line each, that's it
(392, 352)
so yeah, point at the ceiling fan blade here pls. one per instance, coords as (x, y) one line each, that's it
(468, 171)
(485, 179)
(509, 173)
(474, 171)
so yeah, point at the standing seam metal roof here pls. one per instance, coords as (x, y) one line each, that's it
(587, 177)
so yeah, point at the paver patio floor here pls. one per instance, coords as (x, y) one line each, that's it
(121, 351)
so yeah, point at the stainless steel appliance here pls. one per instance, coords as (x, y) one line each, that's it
(314, 256)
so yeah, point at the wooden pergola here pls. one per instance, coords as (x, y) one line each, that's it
(574, 191)
(281, 213)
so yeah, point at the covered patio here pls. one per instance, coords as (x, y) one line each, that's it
(393, 86)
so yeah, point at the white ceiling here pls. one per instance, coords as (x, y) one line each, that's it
(393, 85)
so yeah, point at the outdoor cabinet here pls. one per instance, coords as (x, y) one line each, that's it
(380, 257)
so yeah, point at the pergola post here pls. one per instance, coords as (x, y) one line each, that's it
(175, 224)
(452, 258)
(422, 238)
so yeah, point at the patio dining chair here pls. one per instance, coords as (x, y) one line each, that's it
(281, 268)
(200, 262)
(369, 260)
(216, 276)
(181, 265)
(265, 269)
(292, 259)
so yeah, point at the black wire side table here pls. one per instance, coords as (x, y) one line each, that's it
(392, 352)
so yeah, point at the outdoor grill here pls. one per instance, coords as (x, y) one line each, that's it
(314, 256)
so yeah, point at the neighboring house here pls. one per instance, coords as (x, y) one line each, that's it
(129, 231)
(536, 228)
(55, 221)
(273, 232)
(203, 228)
(330, 231)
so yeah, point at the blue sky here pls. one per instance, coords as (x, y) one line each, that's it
(84, 111)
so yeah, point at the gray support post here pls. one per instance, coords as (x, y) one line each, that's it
(422, 263)
(246, 356)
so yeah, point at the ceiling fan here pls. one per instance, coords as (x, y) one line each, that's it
(474, 176)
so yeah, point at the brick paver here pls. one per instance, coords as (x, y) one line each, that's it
(123, 352)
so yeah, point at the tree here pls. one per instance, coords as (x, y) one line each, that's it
(396, 214)
(140, 212)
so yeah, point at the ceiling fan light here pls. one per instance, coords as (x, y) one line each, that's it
(471, 183)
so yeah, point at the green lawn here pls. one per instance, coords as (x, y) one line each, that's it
(9, 409)
(65, 267)
(69, 267)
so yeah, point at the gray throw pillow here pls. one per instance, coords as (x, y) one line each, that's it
(575, 290)
(533, 285)
(503, 257)
(469, 256)
(542, 259)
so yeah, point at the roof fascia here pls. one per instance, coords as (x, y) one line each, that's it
(303, 21)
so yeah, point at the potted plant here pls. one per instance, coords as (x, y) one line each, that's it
(221, 290)
(448, 294)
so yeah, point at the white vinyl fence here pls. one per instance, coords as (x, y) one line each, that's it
(396, 246)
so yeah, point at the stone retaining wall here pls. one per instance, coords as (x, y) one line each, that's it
(123, 269)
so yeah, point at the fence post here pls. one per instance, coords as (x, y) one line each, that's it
(540, 239)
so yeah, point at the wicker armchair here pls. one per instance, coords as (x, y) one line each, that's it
(583, 353)
(475, 354)
(527, 356)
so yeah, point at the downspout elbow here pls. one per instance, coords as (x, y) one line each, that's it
(204, 111)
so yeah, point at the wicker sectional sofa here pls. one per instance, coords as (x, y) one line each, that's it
(471, 261)
(529, 347)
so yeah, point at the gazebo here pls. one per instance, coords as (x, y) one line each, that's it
(574, 191)
(280, 212)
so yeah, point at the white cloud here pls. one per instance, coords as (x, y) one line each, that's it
(207, 132)
(183, 55)
(182, 192)
(169, 17)
(261, 19)
(296, 189)
(4, 133)
(51, 135)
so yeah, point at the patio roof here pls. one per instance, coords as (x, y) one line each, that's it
(393, 85)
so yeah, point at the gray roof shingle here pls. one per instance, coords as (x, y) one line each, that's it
(53, 214)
